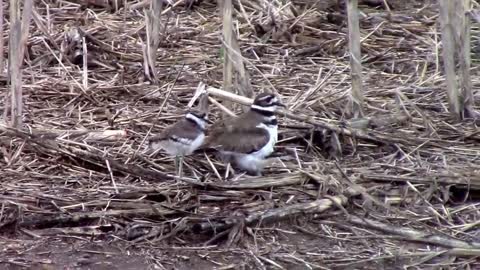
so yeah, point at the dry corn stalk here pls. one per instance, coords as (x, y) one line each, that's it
(463, 43)
(19, 26)
(356, 97)
(153, 25)
(1, 38)
(227, 45)
(456, 38)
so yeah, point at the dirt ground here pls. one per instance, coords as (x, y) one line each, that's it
(67, 252)
(72, 202)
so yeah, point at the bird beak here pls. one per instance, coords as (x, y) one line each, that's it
(278, 103)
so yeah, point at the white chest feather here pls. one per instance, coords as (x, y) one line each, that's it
(254, 162)
(273, 137)
(180, 146)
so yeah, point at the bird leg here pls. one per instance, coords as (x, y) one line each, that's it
(260, 166)
(227, 171)
(179, 165)
(254, 173)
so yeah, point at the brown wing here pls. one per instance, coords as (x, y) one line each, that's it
(247, 141)
(183, 128)
(242, 123)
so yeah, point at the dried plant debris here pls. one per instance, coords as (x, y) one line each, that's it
(396, 188)
(109, 5)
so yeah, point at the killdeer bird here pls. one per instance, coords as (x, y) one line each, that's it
(247, 140)
(185, 136)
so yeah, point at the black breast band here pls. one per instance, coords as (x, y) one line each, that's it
(263, 112)
(196, 124)
(271, 122)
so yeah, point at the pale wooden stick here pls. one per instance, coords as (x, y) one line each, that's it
(221, 107)
(198, 92)
(229, 96)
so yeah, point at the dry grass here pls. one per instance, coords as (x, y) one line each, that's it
(398, 188)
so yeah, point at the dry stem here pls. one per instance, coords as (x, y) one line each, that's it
(227, 33)
(356, 102)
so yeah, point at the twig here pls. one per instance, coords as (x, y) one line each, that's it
(262, 182)
(360, 189)
(74, 218)
(414, 235)
(273, 215)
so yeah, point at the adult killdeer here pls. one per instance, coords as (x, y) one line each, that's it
(247, 140)
(185, 136)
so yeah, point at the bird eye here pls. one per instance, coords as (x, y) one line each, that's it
(268, 99)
